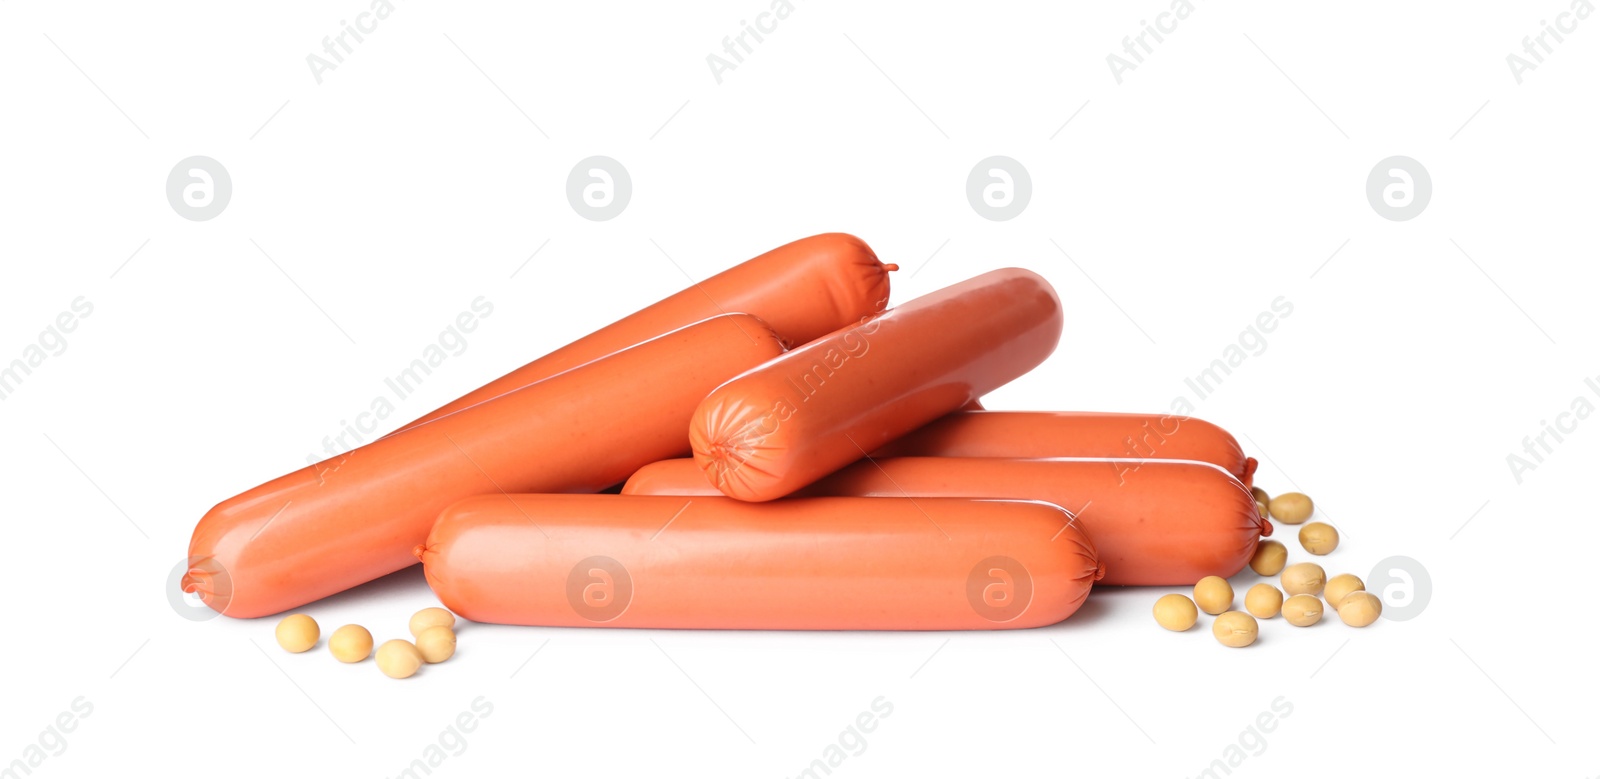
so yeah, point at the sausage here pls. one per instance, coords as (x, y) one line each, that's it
(350, 519)
(1132, 437)
(803, 290)
(828, 403)
(630, 561)
(1167, 523)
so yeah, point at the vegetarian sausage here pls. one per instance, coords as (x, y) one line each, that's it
(802, 290)
(1167, 523)
(1132, 437)
(711, 562)
(826, 404)
(353, 518)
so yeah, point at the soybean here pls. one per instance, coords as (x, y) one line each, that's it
(297, 632)
(1302, 610)
(1319, 538)
(398, 658)
(1213, 595)
(1303, 579)
(429, 617)
(1175, 612)
(436, 644)
(1360, 609)
(1263, 601)
(1235, 629)
(1269, 559)
(350, 644)
(1340, 586)
(1291, 507)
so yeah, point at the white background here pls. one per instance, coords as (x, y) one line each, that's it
(1221, 174)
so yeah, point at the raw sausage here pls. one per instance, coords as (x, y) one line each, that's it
(803, 290)
(353, 518)
(713, 562)
(826, 404)
(1167, 523)
(1133, 437)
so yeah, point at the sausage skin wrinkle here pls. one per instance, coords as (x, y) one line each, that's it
(712, 562)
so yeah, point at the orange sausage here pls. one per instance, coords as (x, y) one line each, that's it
(802, 290)
(1133, 437)
(350, 519)
(826, 404)
(1166, 523)
(712, 562)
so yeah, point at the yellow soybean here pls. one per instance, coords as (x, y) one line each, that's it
(350, 644)
(1269, 559)
(1263, 601)
(297, 632)
(429, 617)
(1175, 612)
(1235, 629)
(1319, 538)
(1340, 586)
(1302, 610)
(1213, 595)
(1303, 579)
(1360, 609)
(398, 658)
(1291, 507)
(436, 644)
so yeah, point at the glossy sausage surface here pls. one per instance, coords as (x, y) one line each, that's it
(713, 562)
(1131, 437)
(1165, 523)
(353, 518)
(824, 405)
(803, 290)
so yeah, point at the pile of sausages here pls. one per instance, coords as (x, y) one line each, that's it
(793, 455)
